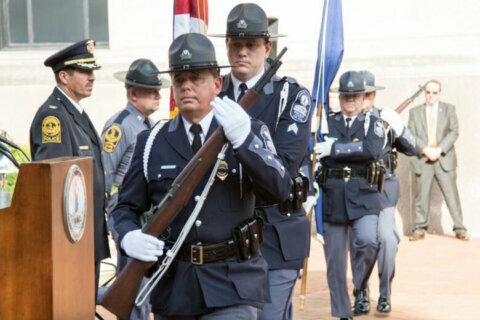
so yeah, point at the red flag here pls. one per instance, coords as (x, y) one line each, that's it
(188, 16)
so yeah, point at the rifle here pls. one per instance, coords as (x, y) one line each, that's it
(120, 296)
(407, 101)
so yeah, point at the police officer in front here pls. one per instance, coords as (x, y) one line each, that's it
(350, 178)
(285, 107)
(211, 280)
(120, 135)
(398, 138)
(62, 128)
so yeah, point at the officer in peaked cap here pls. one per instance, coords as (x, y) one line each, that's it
(398, 138)
(119, 136)
(285, 107)
(215, 275)
(350, 177)
(61, 127)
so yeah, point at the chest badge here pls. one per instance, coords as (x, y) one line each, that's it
(222, 172)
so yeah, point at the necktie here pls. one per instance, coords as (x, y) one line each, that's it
(347, 120)
(432, 129)
(243, 88)
(147, 123)
(196, 129)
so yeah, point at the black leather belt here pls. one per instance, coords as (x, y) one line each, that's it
(200, 254)
(346, 173)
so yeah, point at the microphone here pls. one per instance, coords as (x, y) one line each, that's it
(8, 154)
(13, 145)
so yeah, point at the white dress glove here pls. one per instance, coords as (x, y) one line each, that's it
(142, 246)
(394, 120)
(234, 120)
(324, 149)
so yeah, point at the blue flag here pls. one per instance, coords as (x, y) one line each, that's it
(330, 54)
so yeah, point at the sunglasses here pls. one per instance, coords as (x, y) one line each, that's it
(431, 92)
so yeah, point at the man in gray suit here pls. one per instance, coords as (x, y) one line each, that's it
(435, 126)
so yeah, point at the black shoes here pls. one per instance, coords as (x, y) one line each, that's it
(384, 305)
(362, 302)
(346, 318)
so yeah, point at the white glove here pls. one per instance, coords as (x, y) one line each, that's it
(142, 246)
(394, 120)
(324, 149)
(310, 203)
(234, 120)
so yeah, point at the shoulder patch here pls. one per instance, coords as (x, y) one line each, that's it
(267, 139)
(51, 130)
(121, 116)
(112, 136)
(53, 107)
(301, 107)
(379, 128)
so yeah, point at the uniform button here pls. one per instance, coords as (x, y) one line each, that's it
(234, 170)
(349, 150)
(283, 168)
(256, 146)
(197, 198)
(105, 173)
(359, 148)
(106, 195)
(198, 223)
(269, 157)
(338, 150)
(159, 175)
(289, 214)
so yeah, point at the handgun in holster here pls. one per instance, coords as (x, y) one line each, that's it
(298, 195)
(382, 171)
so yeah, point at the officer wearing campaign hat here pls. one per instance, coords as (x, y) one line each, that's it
(61, 127)
(285, 107)
(350, 185)
(119, 136)
(398, 138)
(215, 275)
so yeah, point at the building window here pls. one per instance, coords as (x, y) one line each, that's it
(32, 23)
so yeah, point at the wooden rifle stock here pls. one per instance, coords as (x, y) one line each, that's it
(407, 101)
(120, 297)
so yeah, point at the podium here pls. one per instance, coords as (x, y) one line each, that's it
(46, 243)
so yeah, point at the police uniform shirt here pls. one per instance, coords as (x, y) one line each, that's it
(119, 137)
(204, 123)
(73, 102)
(250, 83)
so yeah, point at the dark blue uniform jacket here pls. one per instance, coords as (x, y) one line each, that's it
(286, 236)
(193, 289)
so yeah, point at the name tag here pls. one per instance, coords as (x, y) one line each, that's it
(166, 167)
(84, 148)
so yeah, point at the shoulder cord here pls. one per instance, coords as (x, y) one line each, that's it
(283, 101)
(149, 144)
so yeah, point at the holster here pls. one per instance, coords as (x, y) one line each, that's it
(376, 174)
(247, 237)
(322, 176)
(298, 195)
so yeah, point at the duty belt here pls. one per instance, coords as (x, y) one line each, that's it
(346, 173)
(200, 254)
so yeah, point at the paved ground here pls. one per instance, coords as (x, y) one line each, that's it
(437, 279)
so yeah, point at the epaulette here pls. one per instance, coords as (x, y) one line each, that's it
(121, 116)
(289, 79)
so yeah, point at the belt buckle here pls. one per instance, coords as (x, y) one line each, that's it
(196, 254)
(347, 173)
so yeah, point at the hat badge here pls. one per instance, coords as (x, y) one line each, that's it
(350, 84)
(242, 24)
(185, 55)
(90, 45)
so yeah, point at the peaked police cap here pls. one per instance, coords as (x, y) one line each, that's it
(142, 73)
(78, 55)
(191, 51)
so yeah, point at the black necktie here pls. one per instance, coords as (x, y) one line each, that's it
(196, 129)
(147, 123)
(243, 88)
(348, 123)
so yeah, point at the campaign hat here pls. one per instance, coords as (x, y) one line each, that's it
(351, 82)
(142, 73)
(369, 80)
